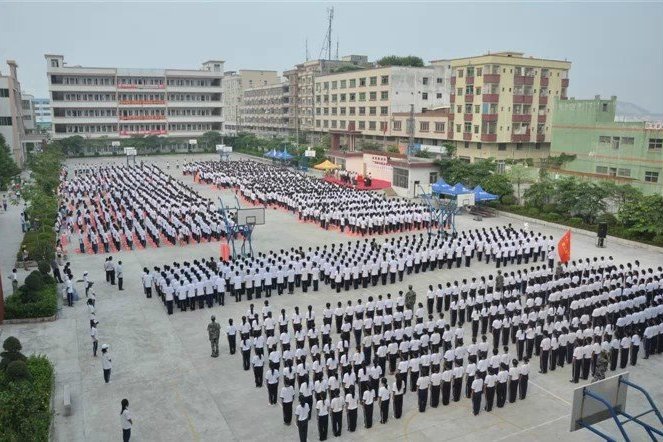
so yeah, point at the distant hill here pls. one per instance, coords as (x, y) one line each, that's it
(629, 111)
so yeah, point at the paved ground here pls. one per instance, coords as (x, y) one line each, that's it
(178, 393)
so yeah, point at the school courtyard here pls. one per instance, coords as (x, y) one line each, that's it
(177, 392)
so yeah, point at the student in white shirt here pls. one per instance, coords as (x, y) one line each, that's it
(126, 420)
(398, 390)
(367, 401)
(106, 362)
(337, 413)
(302, 412)
(287, 395)
(384, 395)
(514, 381)
(322, 407)
(423, 383)
(524, 377)
(352, 402)
(477, 391)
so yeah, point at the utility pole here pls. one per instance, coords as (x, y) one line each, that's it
(307, 56)
(329, 33)
(2, 302)
(410, 132)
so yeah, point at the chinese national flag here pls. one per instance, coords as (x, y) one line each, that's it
(564, 247)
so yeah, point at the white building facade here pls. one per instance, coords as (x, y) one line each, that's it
(119, 103)
(11, 113)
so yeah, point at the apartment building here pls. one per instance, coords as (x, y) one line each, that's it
(501, 104)
(302, 83)
(366, 101)
(625, 152)
(99, 102)
(266, 110)
(430, 128)
(234, 85)
(11, 113)
(28, 111)
(43, 114)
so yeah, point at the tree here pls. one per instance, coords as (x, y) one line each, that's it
(450, 149)
(589, 201)
(395, 60)
(519, 175)
(497, 184)
(210, 139)
(346, 68)
(618, 195)
(8, 167)
(539, 194)
(643, 215)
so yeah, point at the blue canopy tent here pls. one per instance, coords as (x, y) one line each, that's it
(284, 156)
(441, 187)
(271, 154)
(482, 195)
(459, 189)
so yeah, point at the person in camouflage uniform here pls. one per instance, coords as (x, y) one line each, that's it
(410, 298)
(601, 367)
(214, 331)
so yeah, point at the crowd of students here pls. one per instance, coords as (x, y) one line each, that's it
(314, 200)
(112, 207)
(579, 314)
(342, 266)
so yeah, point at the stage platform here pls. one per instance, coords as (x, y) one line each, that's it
(375, 185)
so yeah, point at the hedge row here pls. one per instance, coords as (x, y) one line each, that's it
(40, 304)
(40, 246)
(553, 217)
(25, 406)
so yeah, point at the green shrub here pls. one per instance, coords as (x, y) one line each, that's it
(12, 353)
(17, 371)
(607, 218)
(44, 267)
(34, 282)
(549, 208)
(531, 211)
(575, 221)
(45, 304)
(25, 406)
(509, 200)
(553, 217)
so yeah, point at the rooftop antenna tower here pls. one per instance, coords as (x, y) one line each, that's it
(336, 48)
(307, 56)
(327, 43)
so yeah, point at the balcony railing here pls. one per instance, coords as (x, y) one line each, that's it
(540, 138)
(489, 137)
(143, 132)
(489, 117)
(523, 80)
(469, 80)
(467, 136)
(491, 98)
(467, 117)
(522, 99)
(469, 98)
(520, 138)
(142, 117)
(544, 81)
(521, 118)
(543, 99)
(565, 82)
(140, 86)
(452, 98)
(541, 118)
(453, 81)
(141, 102)
(491, 78)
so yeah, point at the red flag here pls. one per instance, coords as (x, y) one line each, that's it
(564, 247)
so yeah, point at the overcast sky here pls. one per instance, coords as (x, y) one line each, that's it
(616, 49)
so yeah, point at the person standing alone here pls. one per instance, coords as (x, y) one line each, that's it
(106, 362)
(119, 274)
(214, 331)
(126, 421)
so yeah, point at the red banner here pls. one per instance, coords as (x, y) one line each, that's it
(564, 247)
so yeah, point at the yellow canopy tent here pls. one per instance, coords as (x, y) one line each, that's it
(326, 165)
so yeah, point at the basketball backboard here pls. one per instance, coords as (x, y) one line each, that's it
(251, 216)
(465, 199)
(589, 411)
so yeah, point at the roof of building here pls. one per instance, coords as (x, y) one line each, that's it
(505, 54)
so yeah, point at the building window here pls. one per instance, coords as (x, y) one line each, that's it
(371, 125)
(459, 108)
(439, 127)
(604, 107)
(655, 143)
(353, 97)
(5, 121)
(477, 109)
(353, 83)
(397, 125)
(604, 139)
(459, 73)
(362, 82)
(468, 127)
(372, 111)
(628, 140)
(438, 95)
(469, 89)
(423, 126)
(343, 84)
(624, 172)
(439, 80)
(362, 110)
(478, 146)
(467, 145)
(372, 96)
(401, 177)
(374, 81)
(362, 125)
(384, 110)
(458, 128)
(425, 81)
(476, 128)
(651, 177)
(501, 146)
(432, 177)
(384, 95)
(459, 91)
(602, 170)
(384, 79)
(383, 126)
(468, 108)
(4, 93)
(362, 96)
